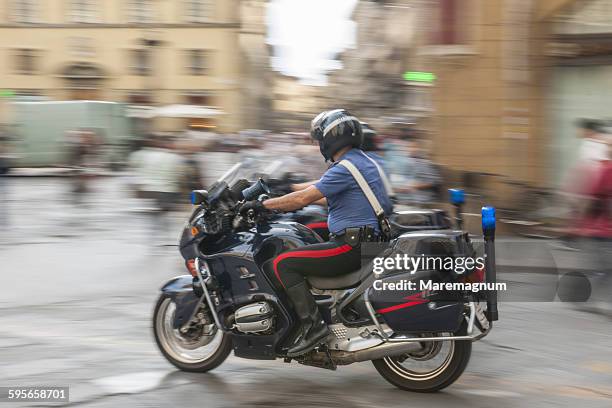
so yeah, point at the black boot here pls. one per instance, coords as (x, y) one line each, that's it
(313, 328)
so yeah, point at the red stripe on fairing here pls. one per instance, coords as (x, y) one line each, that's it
(315, 225)
(316, 253)
(415, 299)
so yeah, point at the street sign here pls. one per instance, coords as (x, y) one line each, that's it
(416, 76)
(6, 93)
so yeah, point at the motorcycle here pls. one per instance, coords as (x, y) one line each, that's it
(231, 301)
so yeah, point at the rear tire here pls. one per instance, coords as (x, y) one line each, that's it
(169, 342)
(394, 372)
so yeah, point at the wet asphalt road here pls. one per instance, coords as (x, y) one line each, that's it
(76, 302)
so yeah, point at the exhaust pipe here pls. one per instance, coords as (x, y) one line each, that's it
(374, 353)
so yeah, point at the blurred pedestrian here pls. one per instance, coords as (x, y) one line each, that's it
(593, 226)
(82, 150)
(191, 178)
(413, 176)
(592, 150)
(5, 168)
(157, 170)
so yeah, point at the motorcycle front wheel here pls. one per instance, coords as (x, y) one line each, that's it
(200, 349)
(436, 367)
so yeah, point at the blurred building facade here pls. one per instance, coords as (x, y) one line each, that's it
(295, 104)
(488, 93)
(139, 52)
(258, 79)
(504, 101)
(490, 99)
(479, 77)
(371, 78)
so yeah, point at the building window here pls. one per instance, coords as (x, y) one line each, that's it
(139, 97)
(140, 62)
(445, 27)
(26, 61)
(199, 11)
(203, 98)
(81, 47)
(24, 11)
(83, 11)
(449, 21)
(198, 62)
(140, 11)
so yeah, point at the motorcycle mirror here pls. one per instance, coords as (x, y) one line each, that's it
(198, 196)
(257, 189)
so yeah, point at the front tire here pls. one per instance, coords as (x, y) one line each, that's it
(397, 370)
(194, 352)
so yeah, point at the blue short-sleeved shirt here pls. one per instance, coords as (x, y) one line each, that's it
(348, 206)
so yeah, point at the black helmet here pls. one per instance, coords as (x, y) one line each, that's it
(370, 142)
(334, 130)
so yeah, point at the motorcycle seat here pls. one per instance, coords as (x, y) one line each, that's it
(345, 281)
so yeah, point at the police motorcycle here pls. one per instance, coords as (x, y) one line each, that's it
(418, 340)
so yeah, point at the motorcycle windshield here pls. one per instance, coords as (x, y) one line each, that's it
(253, 168)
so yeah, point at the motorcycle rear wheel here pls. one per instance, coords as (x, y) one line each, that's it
(193, 354)
(393, 369)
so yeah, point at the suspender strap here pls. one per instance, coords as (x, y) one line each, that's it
(363, 184)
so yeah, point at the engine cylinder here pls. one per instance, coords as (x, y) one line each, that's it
(254, 318)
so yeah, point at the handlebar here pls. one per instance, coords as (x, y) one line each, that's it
(256, 190)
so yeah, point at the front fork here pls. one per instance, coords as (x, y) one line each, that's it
(205, 279)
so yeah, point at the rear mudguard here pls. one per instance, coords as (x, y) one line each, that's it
(180, 290)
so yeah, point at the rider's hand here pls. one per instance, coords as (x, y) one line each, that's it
(255, 205)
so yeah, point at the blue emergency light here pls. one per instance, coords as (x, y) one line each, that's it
(457, 196)
(488, 218)
(198, 196)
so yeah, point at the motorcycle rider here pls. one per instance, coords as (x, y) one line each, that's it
(351, 220)
(370, 145)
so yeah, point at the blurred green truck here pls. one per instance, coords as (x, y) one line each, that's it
(40, 130)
